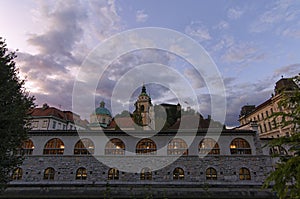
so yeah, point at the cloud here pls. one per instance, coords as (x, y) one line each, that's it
(141, 16)
(240, 94)
(222, 25)
(224, 43)
(287, 71)
(198, 31)
(234, 13)
(292, 31)
(72, 28)
(243, 52)
(195, 78)
(281, 13)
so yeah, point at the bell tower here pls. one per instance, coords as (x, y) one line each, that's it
(143, 109)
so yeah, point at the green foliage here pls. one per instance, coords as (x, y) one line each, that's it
(14, 105)
(165, 117)
(286, 178)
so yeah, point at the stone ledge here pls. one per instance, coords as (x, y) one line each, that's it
(137, 191)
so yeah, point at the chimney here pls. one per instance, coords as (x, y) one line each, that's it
(45, 106)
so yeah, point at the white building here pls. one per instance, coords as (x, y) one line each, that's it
(51, 118)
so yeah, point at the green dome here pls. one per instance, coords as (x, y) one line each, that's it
(102, 110)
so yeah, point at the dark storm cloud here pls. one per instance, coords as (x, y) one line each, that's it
(63, 45)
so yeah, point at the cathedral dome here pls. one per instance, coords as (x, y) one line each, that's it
(102, 110)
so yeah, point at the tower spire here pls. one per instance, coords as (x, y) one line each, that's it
(144, 89)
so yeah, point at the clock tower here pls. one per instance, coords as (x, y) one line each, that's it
(144, 110)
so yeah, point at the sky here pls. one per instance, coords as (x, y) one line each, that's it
(251, 43)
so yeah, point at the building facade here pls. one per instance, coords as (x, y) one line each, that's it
(269, 127)
(179, 162)
(50, 118)
(235, 162)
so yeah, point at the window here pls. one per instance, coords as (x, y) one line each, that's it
(49, 173)
(262, 116)
(64, 127)
(258, 117)
(142, 108)
(178, 174)
(113, 174)
(272, 111)
(84, 146)
(265, 126)
(81, 174)
(240, 146)
(177, 146)
(54, 146)
(26, 148)
(146, 174)
(211, 174)
(244, 174)
(115, 146)
(267, 113)
(260, 129)
(270, 127)
(277, 150)
(209, 146)
(17, 174)
(45, 123)
(35, 124)
(54, 125)
(146, 146)
(59, 126)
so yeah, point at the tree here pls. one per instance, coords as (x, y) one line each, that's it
(286, 178)
(14, 105)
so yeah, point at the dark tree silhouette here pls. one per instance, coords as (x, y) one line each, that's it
(14, 105)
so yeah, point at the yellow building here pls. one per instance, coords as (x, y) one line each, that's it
(267, 126)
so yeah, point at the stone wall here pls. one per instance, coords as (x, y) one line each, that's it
(194, 169)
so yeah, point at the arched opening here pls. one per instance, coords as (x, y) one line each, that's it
(211, 174)
(115, 146)
(178, 174)
(84, 146)
(240, 146)
(277, 150)
(26, 148)
(17, 174)
(81, 174)
(146, 174)
(49, 173)
(146, 146)
(244, 174)
(54, 147)
(209, 146)
(113, 174)
(177, 146)
(142, 108)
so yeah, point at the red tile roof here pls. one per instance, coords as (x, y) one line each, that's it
(47, 111)
(122, 122)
